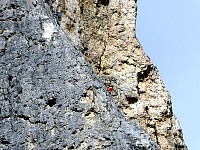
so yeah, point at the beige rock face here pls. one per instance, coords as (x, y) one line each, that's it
(105, 32)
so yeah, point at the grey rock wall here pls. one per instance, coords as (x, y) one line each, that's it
(49, 96)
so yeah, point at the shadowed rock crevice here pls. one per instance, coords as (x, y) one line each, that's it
(144, 73)
(51, 102)
(103, 2)
(131, 100)
(3, 141)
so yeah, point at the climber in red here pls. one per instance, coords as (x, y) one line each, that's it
(109, 89)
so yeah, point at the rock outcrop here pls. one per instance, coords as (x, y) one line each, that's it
(49, 96)
(51, 99)
(105, 31)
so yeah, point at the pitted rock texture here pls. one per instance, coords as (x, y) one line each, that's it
(49, 96)
(105, 31)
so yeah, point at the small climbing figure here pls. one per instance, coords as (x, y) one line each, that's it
(59, 14)
(109, 89)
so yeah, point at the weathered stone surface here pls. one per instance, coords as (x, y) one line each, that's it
(49, 96)
(105, 30)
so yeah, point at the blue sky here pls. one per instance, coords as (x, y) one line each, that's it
(169, 31)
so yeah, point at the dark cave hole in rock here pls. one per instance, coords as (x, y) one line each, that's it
(10, 77)
(144, 74)
(71, 147)
(103, 2)
(23, 117)
(74, 132)
(146, 108)
(84, 94)
(84, 50)
(51, 102)
(131, 100)
(14, 19)
(3, 141)
(124, 61)
(12, 6)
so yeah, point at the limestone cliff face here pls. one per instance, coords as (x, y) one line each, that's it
(105, 31)
(51, 99)
(49, 96)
